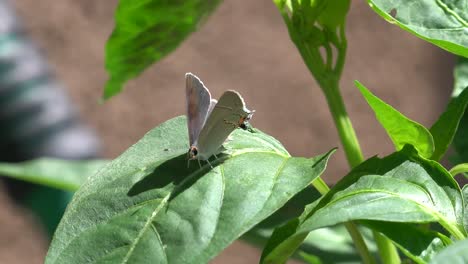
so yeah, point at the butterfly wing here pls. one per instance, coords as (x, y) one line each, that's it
(198, 105)
(220, 123)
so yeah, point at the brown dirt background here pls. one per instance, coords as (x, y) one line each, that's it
(244, 45)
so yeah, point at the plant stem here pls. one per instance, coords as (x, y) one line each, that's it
(460, 168)
(453, 230)
(343, 125)
(352, 149)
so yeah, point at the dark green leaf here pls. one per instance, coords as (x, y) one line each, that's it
(444, 129)
(416, 242)
(332, 245)
(400, 129)
(454, 254)
(146, 206)
(443, 23)
(460, 141)
(62, 174)
(402, 188)
(461, 76)
(146, 31)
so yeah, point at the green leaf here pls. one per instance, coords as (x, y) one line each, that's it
(461, 76)
(400, 129)
(454, 254)
(146, 31)
(460, 141)
(402, 188)
(146, 206)
(61, 174)
(442, 22)
(444, 129)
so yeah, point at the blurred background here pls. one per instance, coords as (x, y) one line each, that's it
(244, 46)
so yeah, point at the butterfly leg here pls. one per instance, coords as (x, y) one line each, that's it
(209, 163)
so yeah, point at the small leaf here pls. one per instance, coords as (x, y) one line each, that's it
(146, 31)
(444, 129)
(146, 206)
(400, 129)
(401, 188)
(454, 254)
(443, 23)
(61, 174)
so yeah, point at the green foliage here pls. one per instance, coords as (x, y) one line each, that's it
(400, 129)
(62, 174)
(147, 206)
(442, 22)
(400, 188)
(460, 141)
(146, 31)
(454, 254)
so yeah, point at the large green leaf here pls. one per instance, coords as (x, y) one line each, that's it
(444, 129)
(442, 22)
(62, 174)
(454, 254)
(146, 31)
(401, 188)
(146, 206)
(400, 129)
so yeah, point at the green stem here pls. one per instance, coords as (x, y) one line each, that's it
(343, 125)
(387, 250)
(329, 85)
(352, 149)
(453, 230)
(460, 168)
